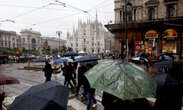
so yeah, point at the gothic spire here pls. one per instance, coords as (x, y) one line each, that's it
(96, 17)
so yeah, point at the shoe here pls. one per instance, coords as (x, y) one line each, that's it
(94, 105)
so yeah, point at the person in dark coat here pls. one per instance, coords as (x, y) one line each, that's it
(111, 102)
(64, 70)
(81, 70)
(137, 104)
(2, 96)
(90, 91)
(75, 65)
(169, 95)
(70, 75)
(48, 71)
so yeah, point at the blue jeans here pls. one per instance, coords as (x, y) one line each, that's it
(90, 98)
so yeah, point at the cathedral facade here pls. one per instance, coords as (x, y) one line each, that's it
(90, 37)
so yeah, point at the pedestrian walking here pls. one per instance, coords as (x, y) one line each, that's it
(110, 102)
(68, 71)
(48, 71)
(169, 95)
(2, 96)
(90, 91)
(71, 73)
(75, 64)
(146, 63)
(81, 70)
(64, 70)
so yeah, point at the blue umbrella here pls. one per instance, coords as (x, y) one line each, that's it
(70, 54)
(87, 59)
(62, 60)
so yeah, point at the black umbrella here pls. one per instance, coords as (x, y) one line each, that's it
(87, 59)
(47, 96)
(164, 63)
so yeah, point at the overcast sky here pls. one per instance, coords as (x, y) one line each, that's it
(48, 19)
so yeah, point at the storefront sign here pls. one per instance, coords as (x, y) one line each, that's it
(151, 34)
(138, 47)
(170, 33)
(150, 50)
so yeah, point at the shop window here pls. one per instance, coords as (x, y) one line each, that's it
(170, 46)
(151, 12)
(171, 11)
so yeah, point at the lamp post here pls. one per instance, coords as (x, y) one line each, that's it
(127, 9)
(59, 34)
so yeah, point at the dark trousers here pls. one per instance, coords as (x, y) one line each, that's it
(68, 82)
(78, 87)
(48, 79)
(90, 99)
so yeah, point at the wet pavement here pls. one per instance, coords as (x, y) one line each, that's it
(29, 78)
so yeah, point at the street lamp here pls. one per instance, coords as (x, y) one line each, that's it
(59, 34)
(127, 9)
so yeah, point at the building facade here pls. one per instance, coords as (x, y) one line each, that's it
(9, 39)
(31, 40)
(90, 37)
(52, 42)
(153, 26)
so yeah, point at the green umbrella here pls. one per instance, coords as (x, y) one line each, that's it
(122, 79)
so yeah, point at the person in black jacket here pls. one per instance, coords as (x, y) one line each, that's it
(169, 95)
(110, 102)
(81, 70)
(90, 91)
(71, 75)
(64, 70)
(48, 71)
(2, 96)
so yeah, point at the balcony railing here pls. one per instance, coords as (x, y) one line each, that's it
(171, 0)
(144, 24)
